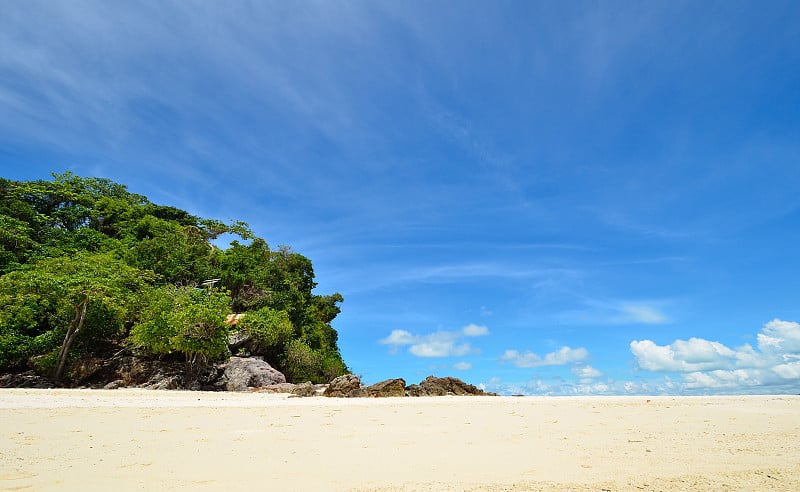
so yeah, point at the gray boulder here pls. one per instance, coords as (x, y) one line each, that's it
(388, 388)
(277, 388)
(116, 384)
(161, 381)
(242, 373)
(25, 380)
(304, 389)
(433, 386)
(347, 386)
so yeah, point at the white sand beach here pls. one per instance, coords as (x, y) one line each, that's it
(155, 440)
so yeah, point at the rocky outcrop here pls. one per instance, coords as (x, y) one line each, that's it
(433, 386)
(240, 374)
(244, 344)
(238, 341)
(25, 380)
(388, 388)
(347, 386)
(304, 389)
(125, 368)
(275, 388)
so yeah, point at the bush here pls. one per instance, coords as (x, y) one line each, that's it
(184, 320)
(302, 363)
(270, 330)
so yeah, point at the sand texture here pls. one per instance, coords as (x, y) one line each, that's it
(154, 440)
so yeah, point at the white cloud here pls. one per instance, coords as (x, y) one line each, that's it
(398, 337)
(565, 355)
(438, 344)
(630, 386)
(710, 365)
(780, 336)
(788, 371)
(462, 366)
(475, 331)
(533, 387)
(695, 354)
(586, 373)
(591, 389)
(723, 379)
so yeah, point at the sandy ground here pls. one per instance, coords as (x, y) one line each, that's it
(151, 440)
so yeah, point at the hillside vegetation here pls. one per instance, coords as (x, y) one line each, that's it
(88, 268)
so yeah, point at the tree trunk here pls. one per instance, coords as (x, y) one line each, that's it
(72, 332)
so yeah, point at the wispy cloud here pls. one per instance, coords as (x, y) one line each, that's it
(388, 274)
(597, 311)
(640, 313)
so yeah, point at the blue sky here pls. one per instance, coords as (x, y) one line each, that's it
(536, 197)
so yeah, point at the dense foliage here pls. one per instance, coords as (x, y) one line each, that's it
(86, 265)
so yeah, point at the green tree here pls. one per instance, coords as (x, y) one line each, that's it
(184, 320)
(76, 254)
(270, 329)
(61, 298)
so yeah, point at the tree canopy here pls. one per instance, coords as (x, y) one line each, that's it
(86, 265)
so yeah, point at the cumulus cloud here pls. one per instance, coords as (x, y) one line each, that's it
(562, 356)
(695, 354)
(788, 371)
(561, 387)
(462, 366)
(438, 344)
(591, 389)
(780, 336)
(586, 373)
(720, 379)
(712, 365)
(497, 385)
(398, 337)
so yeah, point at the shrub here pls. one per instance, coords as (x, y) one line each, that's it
(270, 330)
(184, 320)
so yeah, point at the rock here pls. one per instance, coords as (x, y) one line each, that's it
(119, 383)
(347, 386)
(275, 388)
(390, 387)
(238, 342)
(244, 344)
(433, 386)
(242, 373)
(25, 380)
(413, 390)
(160, 381)
(84, 368)
(304, 389)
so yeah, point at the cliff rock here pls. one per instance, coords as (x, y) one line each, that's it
(304, 389)
(347, 386)
(390, 387)
(433, 386)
